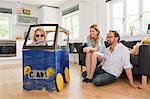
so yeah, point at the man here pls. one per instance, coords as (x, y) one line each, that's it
(117, 58)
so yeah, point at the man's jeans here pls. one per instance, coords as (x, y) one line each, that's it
(101, 77)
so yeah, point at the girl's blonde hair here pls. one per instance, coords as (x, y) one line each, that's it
(40, 30)
(99, 35)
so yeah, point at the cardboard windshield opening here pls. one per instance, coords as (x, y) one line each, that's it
(46, 36)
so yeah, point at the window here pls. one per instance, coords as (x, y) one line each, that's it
(130, 17)
(4, 26)
(71, 23)
(118, 16)
(146, 14)
(132, 13)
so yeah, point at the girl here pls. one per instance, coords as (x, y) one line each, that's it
(39, 37)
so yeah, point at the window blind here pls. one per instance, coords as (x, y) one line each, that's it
(70, 10)
(5, 10)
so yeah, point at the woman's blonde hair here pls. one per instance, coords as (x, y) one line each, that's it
(98, 29)
(40, 30)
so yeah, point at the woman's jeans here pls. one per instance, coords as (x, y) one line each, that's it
(101, 77)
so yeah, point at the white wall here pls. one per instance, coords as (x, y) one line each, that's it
(92, 12)
(18, 29)
(102, 15)
(88, 15)
(49, 15)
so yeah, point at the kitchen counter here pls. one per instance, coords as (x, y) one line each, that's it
(10, 60)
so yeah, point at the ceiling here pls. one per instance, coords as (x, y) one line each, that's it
(55, 3)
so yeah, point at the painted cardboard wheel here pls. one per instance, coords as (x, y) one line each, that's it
(50, 71)
(27, 70)
(67, 75)
(59, 82)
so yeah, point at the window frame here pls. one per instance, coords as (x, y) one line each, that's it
(10, 25)
(142, 16)
(111, 10)
(64, 23)
(124, 20)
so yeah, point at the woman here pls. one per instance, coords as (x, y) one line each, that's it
(39, 37)
(93, 51)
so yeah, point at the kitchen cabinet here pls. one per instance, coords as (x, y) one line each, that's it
(13, 60)
(26, 20)
(19, 46)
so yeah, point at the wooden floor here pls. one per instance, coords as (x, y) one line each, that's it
(11, 87)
